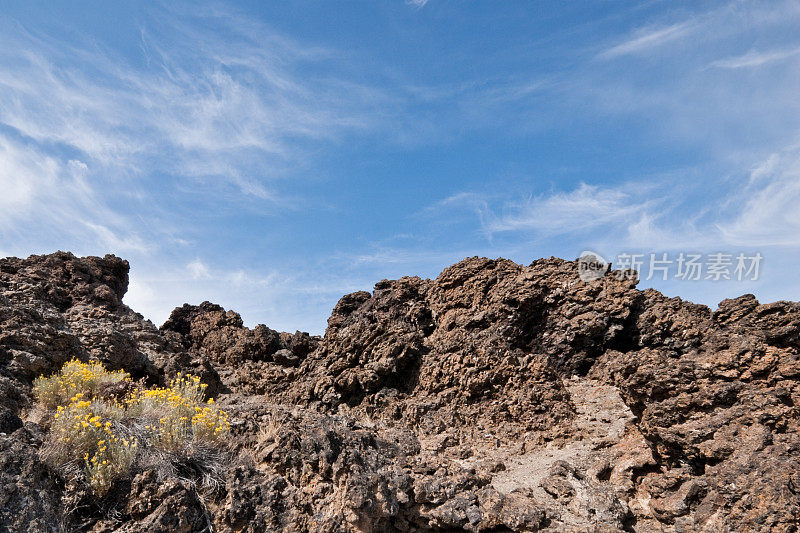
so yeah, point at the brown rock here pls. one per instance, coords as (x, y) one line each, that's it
(494, 397)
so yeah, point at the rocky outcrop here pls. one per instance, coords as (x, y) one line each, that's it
(30, 495)
(56, 307)
(250, 360)
(496, 397)
(208, 330)
(716, 395)
(486, 342)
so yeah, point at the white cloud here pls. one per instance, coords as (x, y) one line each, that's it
(579, 210)
(755, 209)
(23, 174)
(46, 199)
(764, 169)
(198, 270)
(754, 59)
(477, 203)
(766, 212)
(648, 38)
(758, 210)
(119, 242)
(207, 105)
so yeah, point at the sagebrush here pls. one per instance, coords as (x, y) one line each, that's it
(107, 434)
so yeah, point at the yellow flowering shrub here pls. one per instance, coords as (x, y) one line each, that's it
(177, 416)
(74, 378)
(183, 393)
(91, 429)
(112, 459)
(106, 435)
(210, 424)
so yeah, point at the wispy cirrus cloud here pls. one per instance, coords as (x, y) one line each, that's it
(755, 209)
(54, 200)
(206, 100)
(753, 59)
(648, 38)
(233, 111)
(579, 210)
(653, 87)
(417, 3)
(765, 208)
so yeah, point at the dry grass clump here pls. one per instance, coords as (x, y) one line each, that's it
(107, 436)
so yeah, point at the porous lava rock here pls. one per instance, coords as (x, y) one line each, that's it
(495, 397)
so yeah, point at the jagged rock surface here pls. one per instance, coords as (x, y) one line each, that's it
(496, 397)
(210, 333)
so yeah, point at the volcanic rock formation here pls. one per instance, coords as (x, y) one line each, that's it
(496, 397)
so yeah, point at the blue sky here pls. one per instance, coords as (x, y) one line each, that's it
(273, 157)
